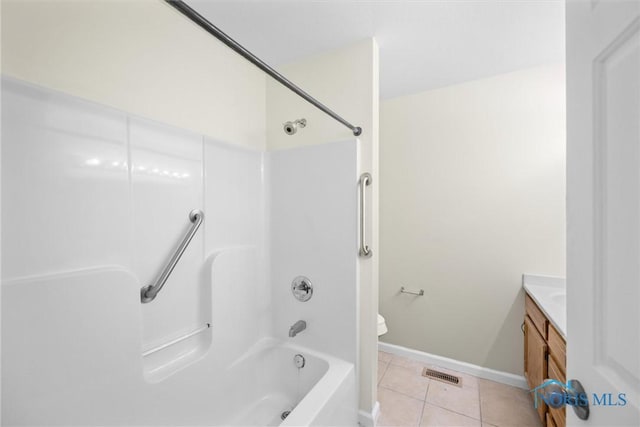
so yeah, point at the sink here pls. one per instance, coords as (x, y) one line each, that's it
(550, 294)
(559, 298)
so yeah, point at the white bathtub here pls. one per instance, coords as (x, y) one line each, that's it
(90, 373)
(320, 393)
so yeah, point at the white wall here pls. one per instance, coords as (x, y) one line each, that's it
(472, 196)
(0, 213)
(346, 80)
(103, 218)
(142, 57)
(313, 233)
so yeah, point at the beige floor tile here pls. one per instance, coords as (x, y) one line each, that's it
(402, 388)
(506, 406)
(488, 387)
(440, 417)
(397, 409)
(408, 363)
(384, 357)
(382, 368)
(405, 380)
(462, 400)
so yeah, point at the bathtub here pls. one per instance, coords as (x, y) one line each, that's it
(95, 376)
(320, 393)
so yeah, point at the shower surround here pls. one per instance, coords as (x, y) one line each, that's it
(104, 198)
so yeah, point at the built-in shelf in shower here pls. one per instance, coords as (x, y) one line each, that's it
(164, 359)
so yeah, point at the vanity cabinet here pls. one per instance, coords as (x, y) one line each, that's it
(544, 357)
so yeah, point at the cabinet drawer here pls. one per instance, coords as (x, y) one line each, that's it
(555, 371)
(558, 415)
(535, 360)
(557, 347)
(537, 317)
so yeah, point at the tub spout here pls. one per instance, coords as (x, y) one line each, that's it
(297, 327)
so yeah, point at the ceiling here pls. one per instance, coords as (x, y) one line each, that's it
(423, 44)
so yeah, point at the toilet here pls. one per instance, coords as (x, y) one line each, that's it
(382, 325)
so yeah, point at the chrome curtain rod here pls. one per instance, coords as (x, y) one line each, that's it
(217, 33)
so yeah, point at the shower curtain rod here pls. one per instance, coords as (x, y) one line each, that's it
(217, 33)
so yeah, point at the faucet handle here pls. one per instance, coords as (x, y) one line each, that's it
(302, 288)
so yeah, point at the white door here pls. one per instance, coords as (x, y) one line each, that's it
(603, 208)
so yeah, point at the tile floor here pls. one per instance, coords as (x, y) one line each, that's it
(409, 399)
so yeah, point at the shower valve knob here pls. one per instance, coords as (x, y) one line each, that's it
(302, 289)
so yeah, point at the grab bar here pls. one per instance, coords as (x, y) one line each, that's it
(365, 181)
(177, 340)
(148, 293)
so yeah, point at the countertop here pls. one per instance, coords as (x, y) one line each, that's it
(550, 293)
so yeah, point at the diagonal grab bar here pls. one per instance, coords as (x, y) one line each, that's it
(148, 293)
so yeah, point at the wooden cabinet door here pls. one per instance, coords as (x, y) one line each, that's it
(556, 373)
(535, 353)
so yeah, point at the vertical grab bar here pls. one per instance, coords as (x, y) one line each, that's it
(365, 181)
(148, 293)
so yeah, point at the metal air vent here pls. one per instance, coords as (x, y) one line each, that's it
(441, 376)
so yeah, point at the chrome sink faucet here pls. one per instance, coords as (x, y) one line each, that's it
(297, 327)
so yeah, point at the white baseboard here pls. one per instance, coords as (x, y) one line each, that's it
(456, 365)
(369, 419)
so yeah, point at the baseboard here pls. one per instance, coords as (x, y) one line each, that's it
(456, 365)
(369, 419)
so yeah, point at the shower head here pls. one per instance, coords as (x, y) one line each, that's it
(290, 128)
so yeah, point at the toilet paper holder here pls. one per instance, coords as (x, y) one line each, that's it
(406, 291)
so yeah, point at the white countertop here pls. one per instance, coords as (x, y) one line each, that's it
(550, 293)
